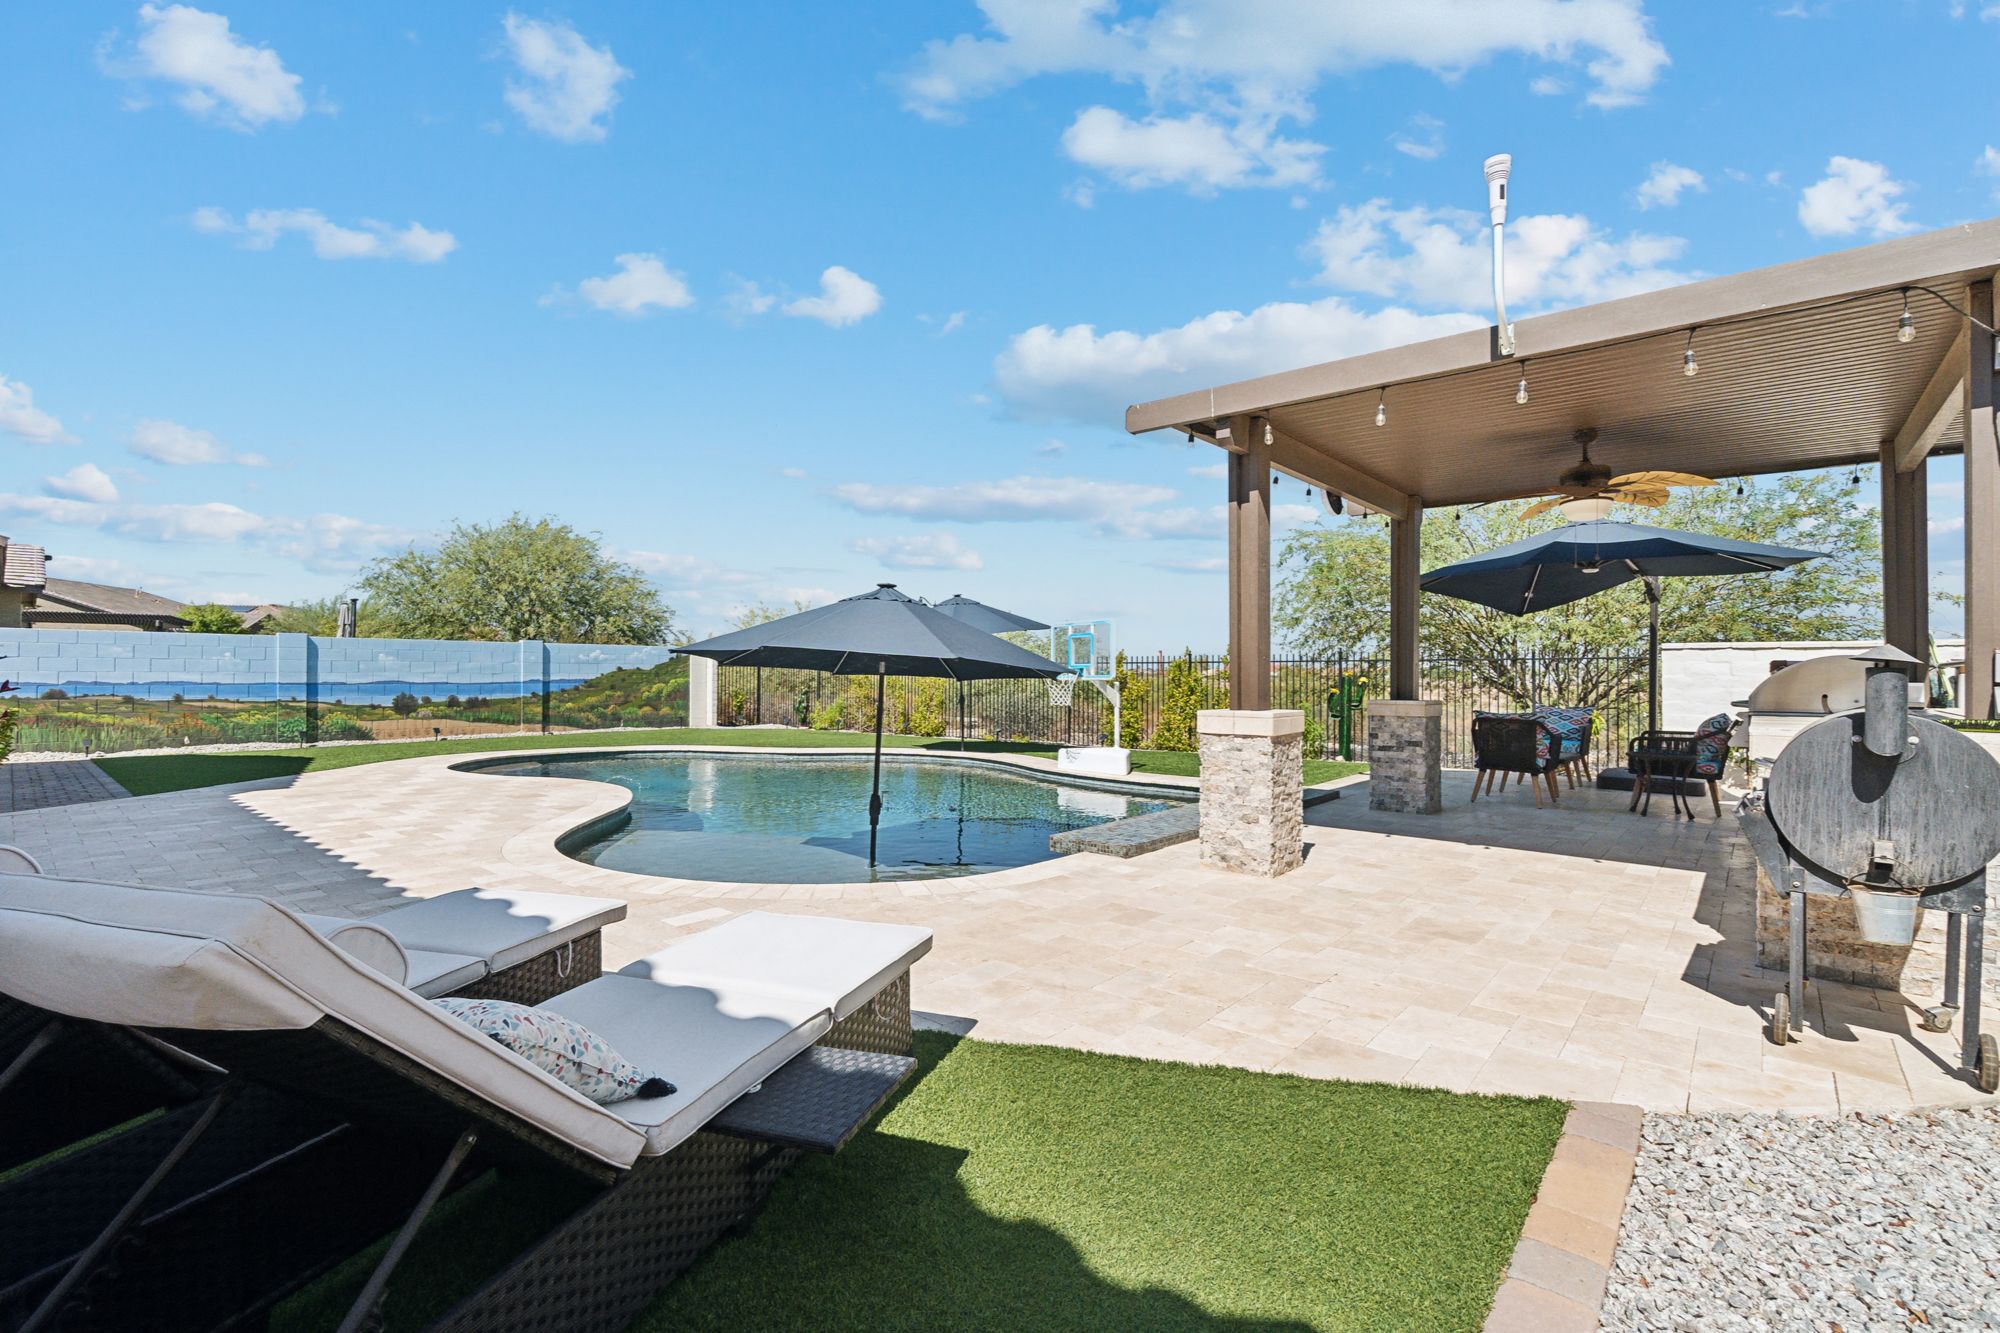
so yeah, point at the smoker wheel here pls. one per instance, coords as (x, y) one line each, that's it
(1781, 1019)
(1938, 1017)
(1988, 1069)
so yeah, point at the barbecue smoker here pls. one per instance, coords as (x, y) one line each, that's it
(1892, 812)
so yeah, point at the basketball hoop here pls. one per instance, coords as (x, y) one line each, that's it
(1060, 690)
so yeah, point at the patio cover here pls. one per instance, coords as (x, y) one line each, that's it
(1799, 368)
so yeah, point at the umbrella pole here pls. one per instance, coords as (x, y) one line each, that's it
(1652, 654)
(961, 716)
(875, 795)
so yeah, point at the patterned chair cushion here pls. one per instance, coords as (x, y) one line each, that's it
(1711, 745)
(1570, 726)
(560, 1047)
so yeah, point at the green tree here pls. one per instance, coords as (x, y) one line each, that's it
(1184, 694)
(518, 579)
(1332, 596)
(927, 716)
(321, 616)
(211, 618)
(403, 704)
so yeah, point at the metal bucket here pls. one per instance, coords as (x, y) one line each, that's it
(1884, 917)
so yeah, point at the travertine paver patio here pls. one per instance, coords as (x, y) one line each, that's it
(1579, 952)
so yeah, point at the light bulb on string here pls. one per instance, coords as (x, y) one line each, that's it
(1906, 323)
(1521, 389)
(1688, 366)
(1382, 408)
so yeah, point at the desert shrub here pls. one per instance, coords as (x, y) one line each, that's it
(927, 716)
(1315, 739)
(828, 716)
(9, 718)
(1186, 694)
(1132, 707)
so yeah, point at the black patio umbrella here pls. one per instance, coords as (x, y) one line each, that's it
(981, 617)
(1577, 560)
(881, 633)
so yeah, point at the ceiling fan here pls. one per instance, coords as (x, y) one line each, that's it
(1590, 480)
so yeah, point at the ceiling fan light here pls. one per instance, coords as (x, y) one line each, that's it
(1588, 509)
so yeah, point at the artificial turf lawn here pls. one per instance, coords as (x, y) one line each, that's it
(147, 775)
(1030, 1187)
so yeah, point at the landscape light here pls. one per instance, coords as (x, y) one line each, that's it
(1906, 324)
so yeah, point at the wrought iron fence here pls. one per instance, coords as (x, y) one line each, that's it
(1161, 693)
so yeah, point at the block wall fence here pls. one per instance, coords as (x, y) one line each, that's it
(97, 691)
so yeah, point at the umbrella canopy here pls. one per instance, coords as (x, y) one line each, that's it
(980, 616)
(1574, 561)
(881, 633)
(884, 632)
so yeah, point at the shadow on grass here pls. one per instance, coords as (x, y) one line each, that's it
(148, 775)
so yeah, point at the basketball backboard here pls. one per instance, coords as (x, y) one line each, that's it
(1086, 647)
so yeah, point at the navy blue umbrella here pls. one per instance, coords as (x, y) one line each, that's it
(1577, 560)
(881, 634)
(989, 618)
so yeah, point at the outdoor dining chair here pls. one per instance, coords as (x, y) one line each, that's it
(1510, 744)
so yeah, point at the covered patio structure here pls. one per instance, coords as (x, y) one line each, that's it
(1801, 366)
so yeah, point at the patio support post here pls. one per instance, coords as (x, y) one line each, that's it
(1249, 565)
(1405, 565)
(1982, 510)
(1906, 620)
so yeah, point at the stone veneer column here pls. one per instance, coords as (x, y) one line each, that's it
(1252, 789)
(1406, 755)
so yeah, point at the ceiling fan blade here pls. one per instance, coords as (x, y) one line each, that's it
(1662, 479)
(1644, 498)
(1541, 507)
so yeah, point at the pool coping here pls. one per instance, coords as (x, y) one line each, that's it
(538, 848)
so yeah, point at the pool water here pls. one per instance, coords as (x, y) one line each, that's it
(746, 819)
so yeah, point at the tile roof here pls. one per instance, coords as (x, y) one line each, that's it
(104, 597)
(26, 566)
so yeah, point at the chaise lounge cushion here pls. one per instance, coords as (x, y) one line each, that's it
(831, 961)
(561, 1046)
(503, 926)
(175, 960)
(713, 1044)
(431, 973)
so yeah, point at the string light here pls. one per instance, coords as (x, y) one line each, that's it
(1521, 389)
(1688, 366)
(1267, 435)
(1854, 477)
(1382, 408)
(1337, 502)
(1741, 491)
(1906, 323)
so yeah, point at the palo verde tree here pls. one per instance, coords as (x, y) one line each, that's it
(210, 618)
(1332, 597)
(520, 578)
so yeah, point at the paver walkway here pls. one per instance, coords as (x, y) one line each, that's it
(36, 786)
(1579, 951)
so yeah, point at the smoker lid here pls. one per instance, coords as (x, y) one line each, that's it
(1816, 685)
(1939, 806)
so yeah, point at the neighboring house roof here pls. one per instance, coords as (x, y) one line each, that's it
(105, 599)
(253, 616)
(25, 566)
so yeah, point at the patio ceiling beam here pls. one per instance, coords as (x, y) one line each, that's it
(1937, 407)
(1296, 458)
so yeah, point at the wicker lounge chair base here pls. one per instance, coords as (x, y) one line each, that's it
(222, 1237)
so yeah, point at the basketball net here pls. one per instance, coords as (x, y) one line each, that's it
(1060, 690)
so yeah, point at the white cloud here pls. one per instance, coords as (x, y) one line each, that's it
(746, 300)
(1940, 527)
(1197, 522)
(1547, 85)
(1220, 76)
(1210, 471)
(183, 446)
(218, 75)
(845, 297)
(1079, 374)
(1194, 151)
(85, 481)
(1855, 195)
(1215, 564)
(1052, 448)
(1424, 140)
(641, 283)
(794, 473)
(952, 323)
(1442, 257)
(567, 86)
(320, 541)
(261, 229)
(19, 416)
(1664, 186)
(1988, 164)
(1023, 499)
(938, 550)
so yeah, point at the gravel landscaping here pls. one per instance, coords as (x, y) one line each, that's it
(1742, 1222)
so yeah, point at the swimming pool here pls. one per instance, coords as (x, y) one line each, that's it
(803, 819)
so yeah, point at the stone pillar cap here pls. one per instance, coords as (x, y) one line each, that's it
(1406, 707)
(1271, 722)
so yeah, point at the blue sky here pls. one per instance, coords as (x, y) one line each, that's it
(786, 299)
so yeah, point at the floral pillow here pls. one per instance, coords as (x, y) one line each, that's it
(560, 1047)
(1711, 745)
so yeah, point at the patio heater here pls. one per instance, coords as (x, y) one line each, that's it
(1894, 813)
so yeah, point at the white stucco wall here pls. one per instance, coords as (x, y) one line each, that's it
(1699, 680)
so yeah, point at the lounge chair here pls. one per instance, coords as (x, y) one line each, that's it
(62, 1080)
(780, 1034)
